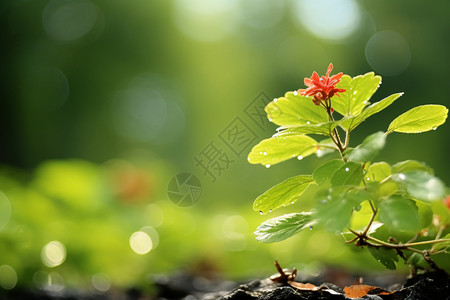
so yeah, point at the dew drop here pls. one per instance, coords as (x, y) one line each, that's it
(270, 119)
(419, 131)
(402, 176)
(347, 169)
(270, 210)
(434, 128)
(265, 153)
(300, 157)
(268, 166)
(275, 100)
(295, 93)
(308, 122)
(310, 228)
(368, 178)
(292, 202)
(293, 155)
(260, 212)
(248, 158)
(319, 152)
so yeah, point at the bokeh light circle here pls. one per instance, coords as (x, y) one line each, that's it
(388, 53)
(140, 242)
(101, 282)
(53, 254)
(8, 277)
(70, 19)
(205, 20)
(328, 19)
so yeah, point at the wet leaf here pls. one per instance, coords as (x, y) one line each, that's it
(325, 171)
(378, 171)
(359, 90)
(421, 185)
(387, 257)
(294, 109)
(369, 148)
(400, 214)
(350, 173)
(283, 227)
(352, 122)
(285, 193)
(411, 165)
(419, 119)
(335, 206)
(277, 149)
(321, 128)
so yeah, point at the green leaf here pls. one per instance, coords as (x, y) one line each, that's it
(369, 148)
(350, 123)
(378, 171)
(324, 172)
(359, 90)
(335, 206)
(322, 128)
(419, 119)
(277, 149)
(421, 185)
(425, 214)
(387, 257)
(283, 227)
(294, 109)
(325, 147)
(411, 165)
(350, 173)
(282, 194)
(442, 246)
(417, 260)
(399, 214)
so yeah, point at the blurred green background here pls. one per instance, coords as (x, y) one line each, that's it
(103, 102)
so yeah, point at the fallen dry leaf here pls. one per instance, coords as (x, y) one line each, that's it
(303, 286)
(361, 290)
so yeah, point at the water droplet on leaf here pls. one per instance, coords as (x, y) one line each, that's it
(295, 93)
(434, 128)
(265, 153)
(300, 157)
(267, 166)
(347, 169)
(260, 212)
(310, 228)
(270, 210)
(308, 122)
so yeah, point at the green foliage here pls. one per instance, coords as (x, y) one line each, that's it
(419, 119)
(403, 198)
(369, 148)
(283, 227)
(421, 185)
(387, 257)
(282, 194)
(277, 149)
(359, 91)
(399, 213)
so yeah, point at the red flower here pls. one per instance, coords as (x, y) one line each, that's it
(322, 88)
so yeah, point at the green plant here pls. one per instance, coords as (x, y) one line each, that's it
(409, 213)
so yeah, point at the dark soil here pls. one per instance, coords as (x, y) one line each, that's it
(429, 286)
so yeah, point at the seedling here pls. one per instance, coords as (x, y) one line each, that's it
(407, 204)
